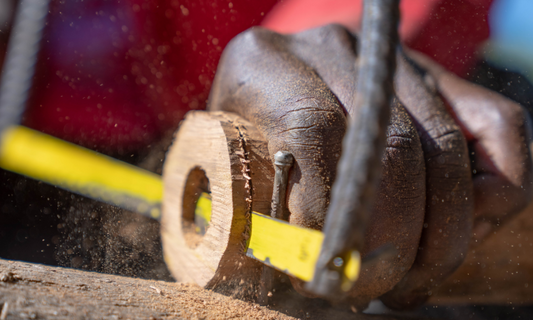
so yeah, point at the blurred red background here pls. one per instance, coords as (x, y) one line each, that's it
(116, 75)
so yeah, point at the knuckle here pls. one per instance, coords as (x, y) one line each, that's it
(403, 167)
(334, 35)
(400, 141)
(401, 132)
(447, 139)
(338, 33)
(250, 41)
(311, 115)
(329, 31)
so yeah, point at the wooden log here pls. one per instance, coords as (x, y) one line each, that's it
(225, 155)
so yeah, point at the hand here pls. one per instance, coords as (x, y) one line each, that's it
(299, 89)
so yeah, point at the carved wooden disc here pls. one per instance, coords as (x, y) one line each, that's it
(225, 155)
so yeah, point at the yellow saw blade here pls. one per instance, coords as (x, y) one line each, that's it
(83, 171)
(290, 249)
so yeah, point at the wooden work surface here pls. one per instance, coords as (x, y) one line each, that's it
(498, 271)
(33, 291)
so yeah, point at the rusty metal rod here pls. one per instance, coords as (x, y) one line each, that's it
(359, 167)
(21, 57)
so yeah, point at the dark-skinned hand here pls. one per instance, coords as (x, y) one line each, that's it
(456, 162)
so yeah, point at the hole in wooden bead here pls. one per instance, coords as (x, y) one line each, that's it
(195, 220)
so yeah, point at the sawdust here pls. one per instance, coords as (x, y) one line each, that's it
(59, 293)
(244, 152)
(43, 292)
(107, 239)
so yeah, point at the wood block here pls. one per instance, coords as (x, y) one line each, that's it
(225, 155)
